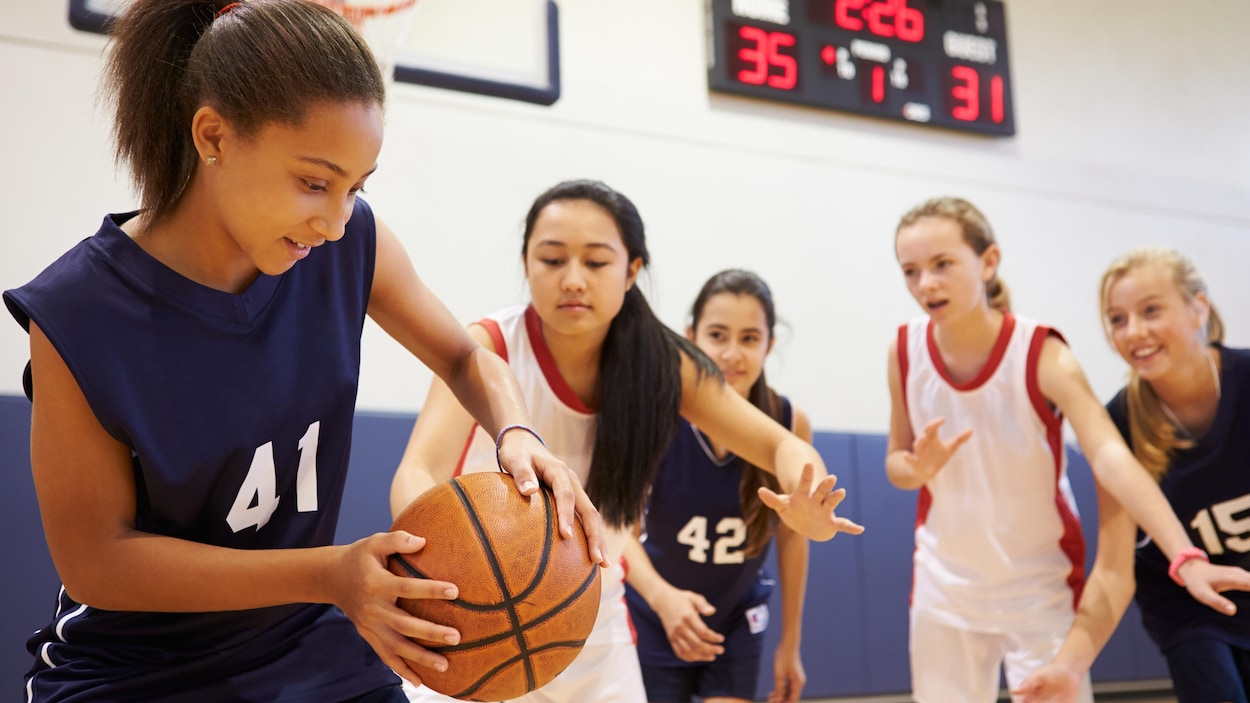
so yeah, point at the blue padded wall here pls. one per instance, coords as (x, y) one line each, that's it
(854, 623)
(30, 586)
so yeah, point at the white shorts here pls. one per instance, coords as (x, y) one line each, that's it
(952, 665)
(600, 674)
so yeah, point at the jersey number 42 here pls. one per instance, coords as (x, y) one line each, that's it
(732, 533)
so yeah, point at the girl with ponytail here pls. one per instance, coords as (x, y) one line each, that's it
(1185, 414)
(607, 383)
(698, 593)
(193, 378)
(999, 559)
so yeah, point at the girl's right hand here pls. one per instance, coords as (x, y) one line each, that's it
(682, 614)
(929, 453)
(367, 592)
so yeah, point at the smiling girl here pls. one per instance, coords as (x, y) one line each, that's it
(193, 373)
(1185, 413)
(999, 559)
(607, 383)
(698, 592)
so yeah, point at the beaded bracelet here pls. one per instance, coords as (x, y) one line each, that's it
(499, 440)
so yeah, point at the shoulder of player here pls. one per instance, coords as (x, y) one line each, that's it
(477, 330)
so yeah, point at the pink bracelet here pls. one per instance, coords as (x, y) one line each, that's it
(499, 440)
(1174, 570)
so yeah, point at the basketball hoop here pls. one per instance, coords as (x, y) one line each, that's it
(383, 24)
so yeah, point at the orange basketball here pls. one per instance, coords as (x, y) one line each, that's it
(528, 598)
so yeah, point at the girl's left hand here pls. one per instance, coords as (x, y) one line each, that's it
(522, 455)
(788, 676)
(1206, 581)
(1050, 684)
(810, 511)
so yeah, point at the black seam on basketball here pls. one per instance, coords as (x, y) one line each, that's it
(590, 578)
(489, 674)
(497, 569)
(545, 555)
(412, 570)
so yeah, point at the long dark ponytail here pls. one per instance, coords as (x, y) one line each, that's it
(761, 522)
(261, 61)
(639, 372)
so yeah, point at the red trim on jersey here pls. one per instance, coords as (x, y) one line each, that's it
(902, 367)
(496, 336)
(464, 453)
(1072, 542)
(633, 633)
(991, 364)
(534, 326)
(925, 498)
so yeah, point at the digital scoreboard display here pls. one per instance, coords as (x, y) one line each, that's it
(930, 62)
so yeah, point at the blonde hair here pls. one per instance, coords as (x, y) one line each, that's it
(1154, 437)
(976, 234)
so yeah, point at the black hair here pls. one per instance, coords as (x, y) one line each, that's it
(259, 62)
(639, 372)
(761, 522)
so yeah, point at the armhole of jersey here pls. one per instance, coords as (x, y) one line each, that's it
(902, 364)
(496, 337)
(1049, 415)
(464, 453)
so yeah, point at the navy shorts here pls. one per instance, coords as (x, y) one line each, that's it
(389, 694)
(1209, 671)
(729, 678)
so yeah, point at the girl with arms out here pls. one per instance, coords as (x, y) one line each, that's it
(999, 555)
(193, 376)
(698, 594)
(1185, 413)
(606, 383)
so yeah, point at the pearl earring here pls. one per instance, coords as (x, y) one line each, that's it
(211, 161)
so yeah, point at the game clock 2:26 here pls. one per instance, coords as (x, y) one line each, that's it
(940, 63)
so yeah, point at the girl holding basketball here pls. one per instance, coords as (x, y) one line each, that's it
(698, 593)
(1184, 412)
(606, 382)
(193, 374)
(999, 555)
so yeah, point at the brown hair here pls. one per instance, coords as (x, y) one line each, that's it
(761, 522)
(259, 62)
(1152, 434)
(976, 234)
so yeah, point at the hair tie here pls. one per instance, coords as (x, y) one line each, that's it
(226, 9)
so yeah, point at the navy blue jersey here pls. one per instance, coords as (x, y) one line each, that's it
(1208, 486)
(238, 412)
(696, 539)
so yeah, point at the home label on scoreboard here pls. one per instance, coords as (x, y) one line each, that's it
(930, 62)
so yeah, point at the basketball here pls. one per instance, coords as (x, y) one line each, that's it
(528, 598)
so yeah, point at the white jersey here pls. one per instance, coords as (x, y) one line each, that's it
(998, 543)
(568, 428)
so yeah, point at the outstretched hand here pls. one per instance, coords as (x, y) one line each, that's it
(367, 592)
(523, 456)
(1050, 684)
(682, 612)
(929, 453)
(809, 510)
(1206, 581)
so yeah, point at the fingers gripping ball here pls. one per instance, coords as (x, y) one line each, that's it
(528, 598)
